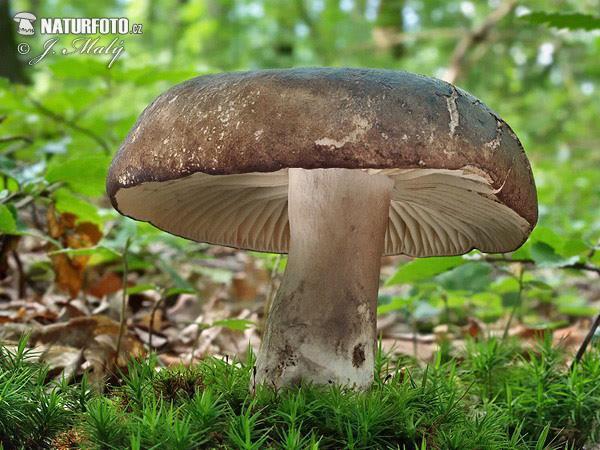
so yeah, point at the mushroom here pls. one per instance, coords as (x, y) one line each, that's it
(25, 21)
(335, 167)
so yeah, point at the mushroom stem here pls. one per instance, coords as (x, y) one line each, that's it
(322, 324)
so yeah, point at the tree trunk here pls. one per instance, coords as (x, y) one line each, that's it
(10, 65)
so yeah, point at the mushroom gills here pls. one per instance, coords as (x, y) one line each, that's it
(432, 212)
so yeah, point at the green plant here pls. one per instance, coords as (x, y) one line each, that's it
(496, 394)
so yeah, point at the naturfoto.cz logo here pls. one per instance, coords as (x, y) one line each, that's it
(79, 26)
(25, 23)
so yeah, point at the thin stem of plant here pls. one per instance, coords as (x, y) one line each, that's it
(575, 266)
(71, 124)
(152, 316)
(271, 288)
(586, 342)
(21, 279)
(123, 318)
(516, 306)
(477, 36)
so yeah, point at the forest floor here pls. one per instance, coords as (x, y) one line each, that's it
(494, 395)
(455, 385)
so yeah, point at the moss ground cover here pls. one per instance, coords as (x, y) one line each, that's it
(493, 395)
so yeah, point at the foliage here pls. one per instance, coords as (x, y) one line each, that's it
(57, 135)
(495, 395)
(539, 70)
(32, 409)
(571, 21)
(482, 286)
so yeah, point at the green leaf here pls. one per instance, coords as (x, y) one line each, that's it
(571, 304)
(85, 211)
(537, 284)
(471, 276)
(545, 256)
(425, 311)
(574, 247)
(8, 224)
(88, 251)
(578, 310)
(234, 324)
(138, 288)
(395, 304)
(84, 174)
(510, 299)
(82, 68)
(216, 275)
(488, 306)
(424, 268)
(176, 291)
(570, 21)
(178, 281)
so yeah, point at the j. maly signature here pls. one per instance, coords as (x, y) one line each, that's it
(82, 46)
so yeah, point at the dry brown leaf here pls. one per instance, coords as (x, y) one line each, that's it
(424, 351)
(526, 332)
(569, 337)
(95, 337)
(68, 440)
(69, 277)
(62, 360)
(55, 229)
(79, 332)
(243, 287)
(173, 360)
(109, 283)
(474, 328)
(73, 308)
(88, 233)
(144, 321)
(70, 269)
(158, 339)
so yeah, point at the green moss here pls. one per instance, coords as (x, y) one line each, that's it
(494, 396)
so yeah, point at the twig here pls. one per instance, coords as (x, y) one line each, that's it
(516, 306)
(5, 139)
(71, 124)
(28, 198)
(123, 318)
(35, 217)
(576, 266)
(20, 274)
(415, 340)
(435, 33)
(152, 315)
(586, 342)
(475, 37)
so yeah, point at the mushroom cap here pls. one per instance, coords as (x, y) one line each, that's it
(208, 159)
(24, 15)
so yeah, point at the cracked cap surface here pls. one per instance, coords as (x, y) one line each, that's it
(252, 123)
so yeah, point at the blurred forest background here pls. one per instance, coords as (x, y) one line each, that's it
(62, 247)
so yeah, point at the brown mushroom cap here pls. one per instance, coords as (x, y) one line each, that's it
(208, 159)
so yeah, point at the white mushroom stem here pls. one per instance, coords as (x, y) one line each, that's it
(322, 325)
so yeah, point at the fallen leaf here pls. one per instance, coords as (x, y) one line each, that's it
(70, 269)
(158, 339)
(109, 283)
